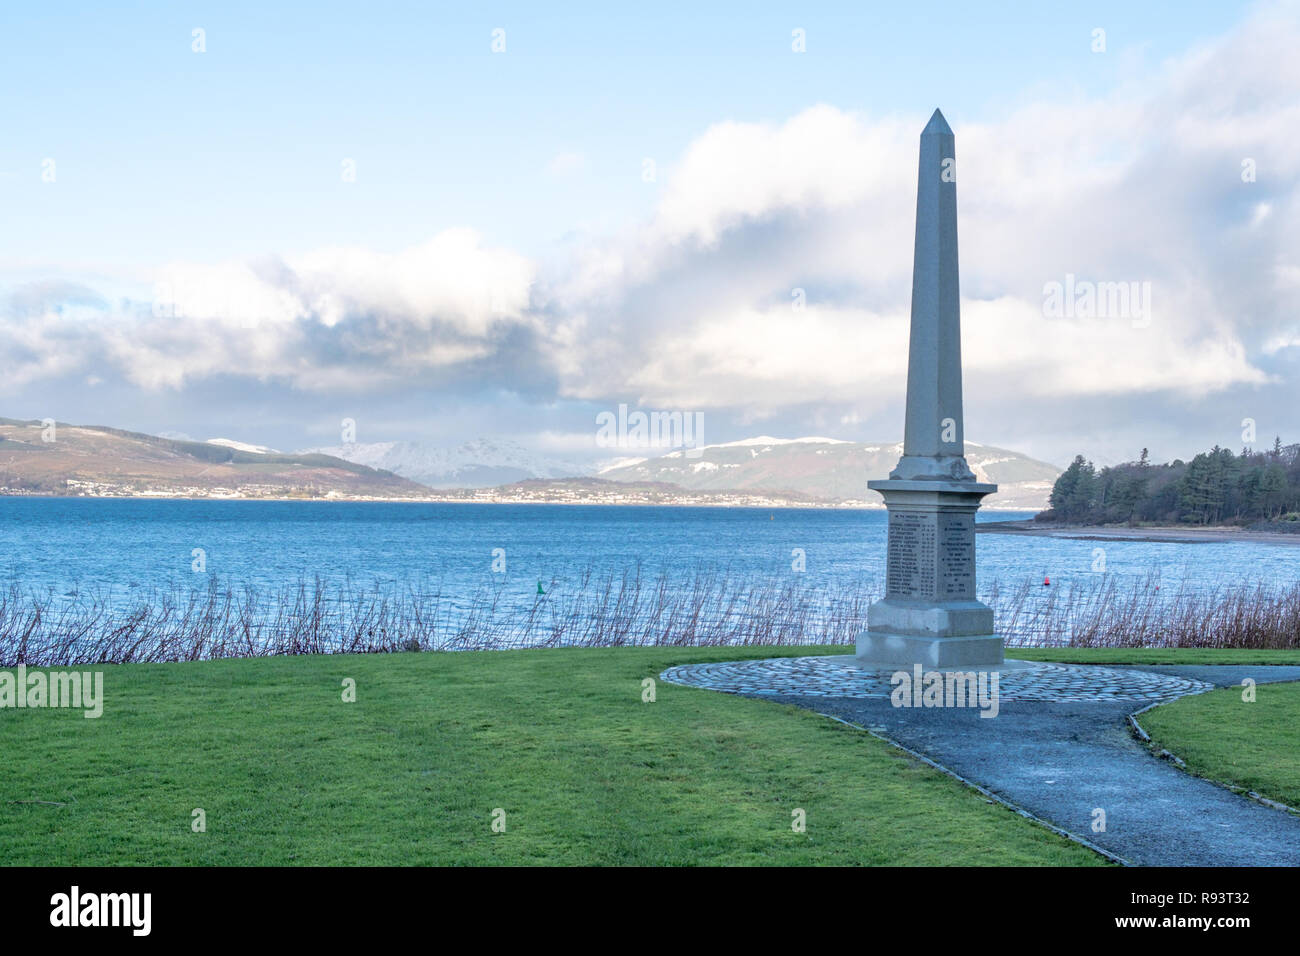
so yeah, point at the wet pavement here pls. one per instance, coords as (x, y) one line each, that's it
(1062, 760)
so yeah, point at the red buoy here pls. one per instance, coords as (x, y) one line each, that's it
(1047, 581)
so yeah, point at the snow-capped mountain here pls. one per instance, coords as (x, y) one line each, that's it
(829, 468)
(481, 463)
(826, 468)
(242, 446)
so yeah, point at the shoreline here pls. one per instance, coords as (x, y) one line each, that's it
(757, 501)
(1160, 535)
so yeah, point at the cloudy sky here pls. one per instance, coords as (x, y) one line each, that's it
(218, 220)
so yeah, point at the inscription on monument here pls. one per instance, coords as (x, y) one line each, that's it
(957, 556)
(910, 563)
(931, 556)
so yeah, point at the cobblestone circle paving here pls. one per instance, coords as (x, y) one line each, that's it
(840, 676)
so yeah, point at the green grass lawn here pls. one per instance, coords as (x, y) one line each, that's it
(1253, 746)
(287, 773)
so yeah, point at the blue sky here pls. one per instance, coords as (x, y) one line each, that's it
(162, 152)
(165, 156)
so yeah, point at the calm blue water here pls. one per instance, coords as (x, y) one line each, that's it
(128, 546)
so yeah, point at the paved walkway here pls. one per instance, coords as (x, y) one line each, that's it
(1054, 750)
(842, 676)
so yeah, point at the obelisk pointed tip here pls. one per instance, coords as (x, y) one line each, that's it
(938, 126)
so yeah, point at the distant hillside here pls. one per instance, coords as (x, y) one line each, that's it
(481, 463)
(829, 469)
(98, 460)
(94, 459)
(594, 491)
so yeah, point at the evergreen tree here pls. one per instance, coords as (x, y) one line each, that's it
(1075, 491)
(1273, 489)
(1214, 486)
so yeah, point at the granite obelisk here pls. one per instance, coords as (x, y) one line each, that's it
(929, 614)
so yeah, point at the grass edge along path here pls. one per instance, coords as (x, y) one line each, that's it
(558, 746)
(1251, 746)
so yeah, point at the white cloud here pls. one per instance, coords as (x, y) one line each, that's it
(336, 318)
(1140, 186)
(820, 159)
(692, 308)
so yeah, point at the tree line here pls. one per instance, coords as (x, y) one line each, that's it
(1215, 487)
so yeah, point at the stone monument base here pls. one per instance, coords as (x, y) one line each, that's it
(881, 649)
(929, 615)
